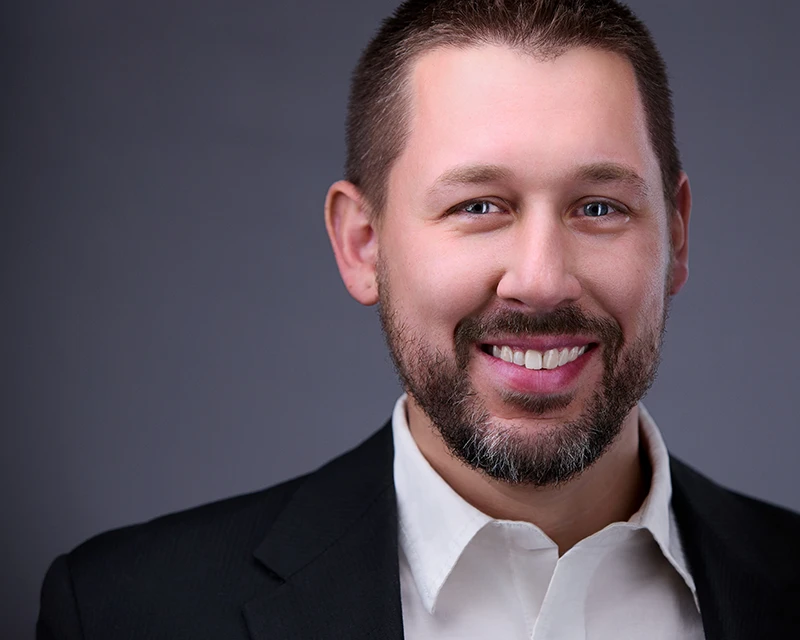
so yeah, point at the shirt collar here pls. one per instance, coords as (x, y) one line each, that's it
(436, 524)
(656, 514)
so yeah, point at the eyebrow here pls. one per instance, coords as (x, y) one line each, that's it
(596, 173)
(470, 174)
(611, 172)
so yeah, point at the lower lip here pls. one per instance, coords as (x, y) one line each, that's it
(514, 377)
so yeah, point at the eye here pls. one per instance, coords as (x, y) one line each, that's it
(479, 207)
(598, 209)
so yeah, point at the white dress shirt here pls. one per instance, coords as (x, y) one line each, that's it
(465, 575)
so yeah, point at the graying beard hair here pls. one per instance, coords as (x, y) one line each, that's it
(499, 452)
(495, 452)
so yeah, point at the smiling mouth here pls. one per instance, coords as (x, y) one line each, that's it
(537, 360)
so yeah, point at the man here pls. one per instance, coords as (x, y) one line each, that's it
(515, 204)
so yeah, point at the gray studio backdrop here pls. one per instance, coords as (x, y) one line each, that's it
(173, 326)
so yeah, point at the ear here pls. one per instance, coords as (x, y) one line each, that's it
(679, 234)
(354, 239)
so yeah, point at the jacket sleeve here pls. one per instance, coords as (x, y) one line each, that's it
(58, 612)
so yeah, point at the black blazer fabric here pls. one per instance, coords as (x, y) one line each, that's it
(316, 557)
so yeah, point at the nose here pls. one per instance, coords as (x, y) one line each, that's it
(539, 267)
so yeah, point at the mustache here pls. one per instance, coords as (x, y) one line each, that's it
(569, 320)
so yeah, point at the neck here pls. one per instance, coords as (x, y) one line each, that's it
(611, 490)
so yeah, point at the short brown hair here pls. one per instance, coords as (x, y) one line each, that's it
(378, 109)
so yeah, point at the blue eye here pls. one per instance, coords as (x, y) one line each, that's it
(479, 207)
(597, 209)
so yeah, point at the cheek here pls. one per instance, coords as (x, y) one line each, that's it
(629, 283)
(436, 281)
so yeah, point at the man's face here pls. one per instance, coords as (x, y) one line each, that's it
(525, 221)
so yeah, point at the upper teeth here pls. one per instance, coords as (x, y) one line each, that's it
(532, 359)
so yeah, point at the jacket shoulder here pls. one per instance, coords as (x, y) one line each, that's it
(227, 521)
(189, 574)
(179, 572)
(763, 535)
(703, 491)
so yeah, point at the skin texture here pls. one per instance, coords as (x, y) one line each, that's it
(486, 218)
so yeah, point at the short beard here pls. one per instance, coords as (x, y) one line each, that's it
(517, 455)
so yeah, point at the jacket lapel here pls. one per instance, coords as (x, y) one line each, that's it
(334, 548)
(729, 547)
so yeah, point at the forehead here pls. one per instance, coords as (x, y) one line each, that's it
(539, 118)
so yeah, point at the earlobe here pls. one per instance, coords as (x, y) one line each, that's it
(354, 240)
(679, 235)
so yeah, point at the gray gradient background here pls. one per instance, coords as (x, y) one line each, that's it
(174, 329)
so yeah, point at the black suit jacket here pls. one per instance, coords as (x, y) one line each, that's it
(316, 557)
